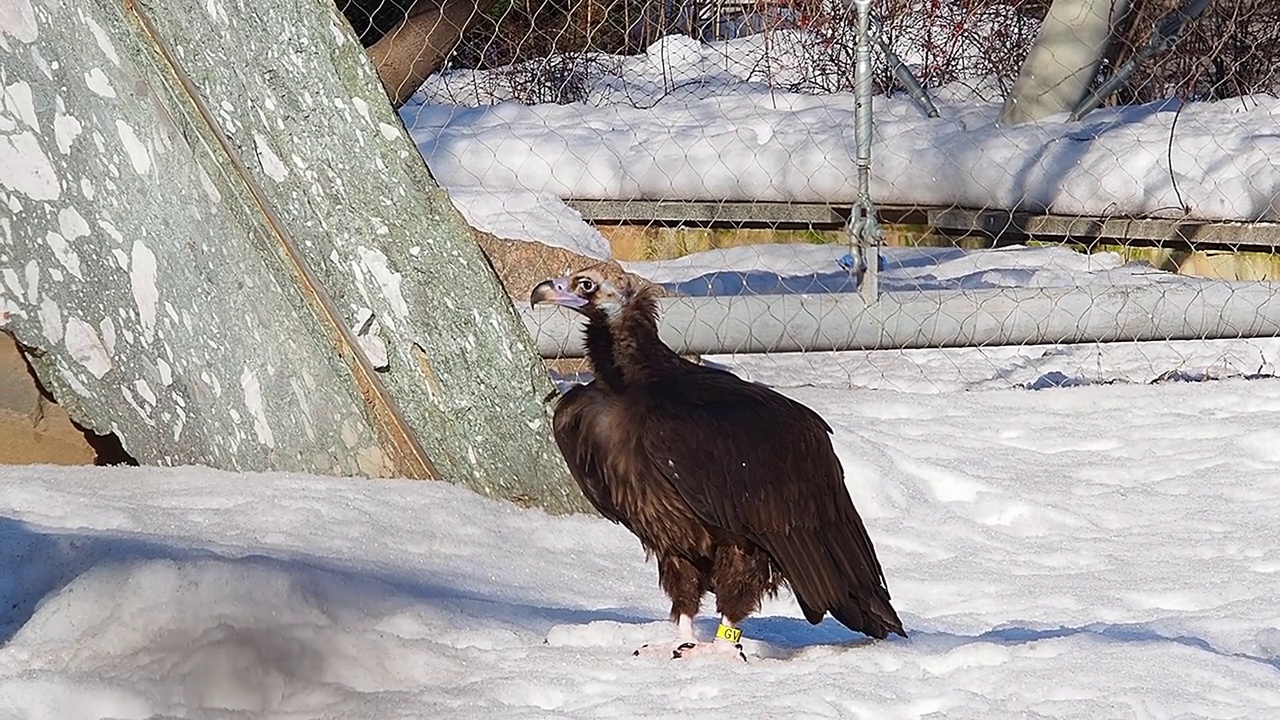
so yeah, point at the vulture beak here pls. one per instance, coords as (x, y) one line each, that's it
(556, 291)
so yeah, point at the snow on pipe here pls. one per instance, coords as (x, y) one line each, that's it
(957, 318)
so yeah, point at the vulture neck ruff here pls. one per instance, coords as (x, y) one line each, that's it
(626, 350)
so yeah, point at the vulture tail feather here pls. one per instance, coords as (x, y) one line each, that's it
(872, 621)
(828, 575)
(865, 600)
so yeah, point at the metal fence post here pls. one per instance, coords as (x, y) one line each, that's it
(864, 228)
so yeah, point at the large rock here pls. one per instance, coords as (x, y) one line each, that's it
(33, 429)
(521, 264)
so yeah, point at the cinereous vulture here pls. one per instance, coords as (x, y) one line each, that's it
(733, 487)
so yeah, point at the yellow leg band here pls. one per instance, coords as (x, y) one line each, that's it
(732, 634)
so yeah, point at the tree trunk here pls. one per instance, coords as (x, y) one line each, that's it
(408, 54)
(1062, 63)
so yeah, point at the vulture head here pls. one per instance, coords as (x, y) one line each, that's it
(600, 292)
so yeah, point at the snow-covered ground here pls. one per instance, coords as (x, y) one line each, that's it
(1082, 552)
(691, 121)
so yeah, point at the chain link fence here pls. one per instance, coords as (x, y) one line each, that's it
(710, 147)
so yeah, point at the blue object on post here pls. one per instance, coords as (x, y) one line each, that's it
(846, 262)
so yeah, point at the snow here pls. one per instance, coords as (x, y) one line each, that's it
(25, 168)
(18, 20)
(1026, 366)
(86, 348)
(267, 158)
(528, 215)
(139, 157)
(142, 282)
(810, 268)
(1099, 551)
(729, 121)
(98, 82)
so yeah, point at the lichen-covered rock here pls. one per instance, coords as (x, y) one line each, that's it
(207, 198)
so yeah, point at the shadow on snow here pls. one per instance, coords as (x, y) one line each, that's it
(37, 563)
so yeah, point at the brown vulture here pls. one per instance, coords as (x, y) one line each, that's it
(732, 486)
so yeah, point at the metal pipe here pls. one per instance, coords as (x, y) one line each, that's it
(862, 89)
(915, 90)
(952, 318)
(1166, 34)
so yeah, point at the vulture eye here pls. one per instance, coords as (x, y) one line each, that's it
(586, 285)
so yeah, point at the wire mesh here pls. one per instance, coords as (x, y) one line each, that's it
(710, 147)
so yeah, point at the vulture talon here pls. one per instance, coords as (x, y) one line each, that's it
(729, 484)
(717, 648)
(679, 651)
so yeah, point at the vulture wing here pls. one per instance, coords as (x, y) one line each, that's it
(579, 427)
(761, 465)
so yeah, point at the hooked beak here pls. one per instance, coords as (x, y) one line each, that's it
(556, 291)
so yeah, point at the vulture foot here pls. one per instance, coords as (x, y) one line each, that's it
(715, 647)
(686, 649)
